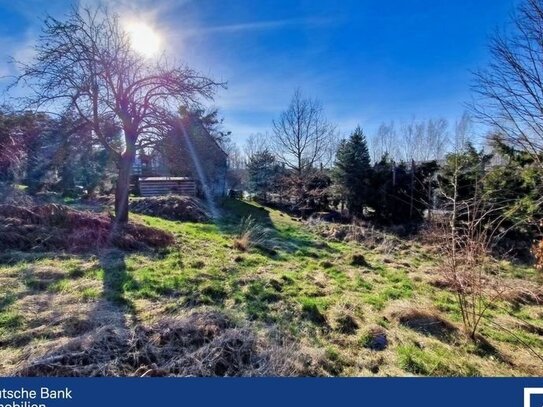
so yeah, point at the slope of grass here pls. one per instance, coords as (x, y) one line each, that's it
(297, 285)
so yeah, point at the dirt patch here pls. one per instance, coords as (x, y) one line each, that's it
(202, 344)
(426, 323)
(180, 208)
(326, 264)
(59, 227)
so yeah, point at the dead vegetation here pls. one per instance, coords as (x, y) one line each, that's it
(57, 227)
(523, 294)
(201, 344)
(172, 207)
(226, 313)
(11, 195)
(369, 236)
(344, 319)
(251, 234)
(426, 323)
(514, 291)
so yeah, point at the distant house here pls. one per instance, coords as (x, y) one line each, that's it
(188, 152)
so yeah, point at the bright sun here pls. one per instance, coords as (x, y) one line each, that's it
(143, 38)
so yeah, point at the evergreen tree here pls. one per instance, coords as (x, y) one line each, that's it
(20, 137)
(66, 159)
(464, 170)
(399, 193)
(352, 171)
(389, 186)
(514, 189)
(262, 173)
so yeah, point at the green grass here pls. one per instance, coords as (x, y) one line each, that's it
(300, 288)
(9, 322)
(434, 361)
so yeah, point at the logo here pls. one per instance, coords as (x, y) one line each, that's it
(533, 397)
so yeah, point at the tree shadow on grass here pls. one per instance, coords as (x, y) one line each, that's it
(113, 263)
(234, 211)
(69, 331)
(42, 278)
(288, 240)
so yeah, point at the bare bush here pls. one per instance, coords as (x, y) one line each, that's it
(468, 234)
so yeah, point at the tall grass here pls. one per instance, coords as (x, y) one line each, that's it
(250, 234)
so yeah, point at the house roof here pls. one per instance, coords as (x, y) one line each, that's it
(206, 132)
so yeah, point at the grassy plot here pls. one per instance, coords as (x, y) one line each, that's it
(309, 306)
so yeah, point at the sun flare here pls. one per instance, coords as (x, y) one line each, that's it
(143, 38)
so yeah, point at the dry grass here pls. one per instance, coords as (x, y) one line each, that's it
(514, 291)
(426, 322)
(344, 319)
(200, 344)
(250, 234)
(207, 309)
(523, 294)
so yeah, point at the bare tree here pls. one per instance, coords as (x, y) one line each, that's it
(463, 132)
(423, 140)
(510, 90)
(385, 142)
(436, 140)
(86, 64)
(411, 140)
(419, 140)
(235, 156)
(256, 143)
(302, 135)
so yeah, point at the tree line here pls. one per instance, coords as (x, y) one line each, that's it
(109, 102)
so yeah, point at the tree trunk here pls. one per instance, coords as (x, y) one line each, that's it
(123, 184)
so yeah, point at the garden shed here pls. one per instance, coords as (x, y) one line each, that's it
(153, 186)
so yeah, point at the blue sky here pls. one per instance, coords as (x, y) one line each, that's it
(367, 61)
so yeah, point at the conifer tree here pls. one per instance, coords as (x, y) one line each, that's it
(352, 171)
(262, 173)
